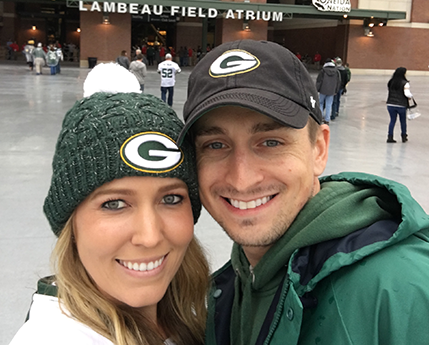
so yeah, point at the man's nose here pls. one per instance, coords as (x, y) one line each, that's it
(244, 170)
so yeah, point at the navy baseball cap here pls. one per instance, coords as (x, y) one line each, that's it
(259, 75)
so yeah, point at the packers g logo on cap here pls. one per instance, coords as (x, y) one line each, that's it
(233, 62)
(151, 152)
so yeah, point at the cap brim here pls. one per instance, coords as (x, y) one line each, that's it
(270, 104)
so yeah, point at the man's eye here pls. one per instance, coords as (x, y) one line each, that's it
(271, 143)
(114, 204)
(216, 146)
(172, 199)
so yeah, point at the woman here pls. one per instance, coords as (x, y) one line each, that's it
(138, 68)
(123, 201)
(397, 103)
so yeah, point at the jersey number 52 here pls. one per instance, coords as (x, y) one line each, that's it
(167, 73)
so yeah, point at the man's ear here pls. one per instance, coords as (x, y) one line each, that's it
(320, 149)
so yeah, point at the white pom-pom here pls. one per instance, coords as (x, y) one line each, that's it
(111, 78)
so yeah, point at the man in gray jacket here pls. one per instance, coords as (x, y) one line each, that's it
(327, 84)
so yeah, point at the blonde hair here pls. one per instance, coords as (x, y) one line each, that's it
(181, 312)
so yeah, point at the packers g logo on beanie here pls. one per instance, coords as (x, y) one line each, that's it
(233, 62)
(151, 152)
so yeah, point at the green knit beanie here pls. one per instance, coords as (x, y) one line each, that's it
(108, 136)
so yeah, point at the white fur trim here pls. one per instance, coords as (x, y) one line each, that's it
(111, 78)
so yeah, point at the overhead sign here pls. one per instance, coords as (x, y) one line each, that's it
(333, 5)
(174, 11)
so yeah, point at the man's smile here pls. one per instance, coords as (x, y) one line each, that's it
(245, 205)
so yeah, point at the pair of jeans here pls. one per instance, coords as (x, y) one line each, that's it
(170, 90)
(394, 112)
(326, 106)
(53, 70)
(336, 104)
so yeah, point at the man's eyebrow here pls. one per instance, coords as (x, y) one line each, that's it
(257, 128)
(266, 127)
(208, 131)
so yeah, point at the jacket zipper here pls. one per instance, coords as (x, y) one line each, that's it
(278, 312)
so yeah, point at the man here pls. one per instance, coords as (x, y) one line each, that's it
(339, 260)
(343, 83)
(327, 84)
(349, 76)
(144, 60)
(15, 49)
(150, 51)
(317, 58)
(168, 70)
(39, 57)
(28, 52)
(9, 49)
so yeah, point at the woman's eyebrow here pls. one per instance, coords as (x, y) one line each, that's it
(109, 191)
(174, 185)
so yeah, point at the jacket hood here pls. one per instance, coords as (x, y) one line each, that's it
(330, 68)
(346, 203)
(329, 64)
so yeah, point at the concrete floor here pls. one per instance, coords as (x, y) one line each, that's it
(31, 111)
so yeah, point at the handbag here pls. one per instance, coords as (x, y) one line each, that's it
(413, 113)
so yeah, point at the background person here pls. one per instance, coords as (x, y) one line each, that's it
(39, 57)
(397, 103)
(339, 260)
(327, 84)
(128, 268)
(150, 51)
(123, 60)
(168, 69)
(14, 49)
(9, 49)
(343, 83)
(60, 55)
(138, 68)
(316, 59)
(52, 59)
(349, 76)
(28, 52)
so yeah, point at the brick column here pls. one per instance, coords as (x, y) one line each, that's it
(105, 42)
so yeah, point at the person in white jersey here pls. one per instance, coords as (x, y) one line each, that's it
(168, 70)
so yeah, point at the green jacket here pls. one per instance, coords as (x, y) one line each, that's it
(353, 268)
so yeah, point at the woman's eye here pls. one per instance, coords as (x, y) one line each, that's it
(172, 199)
(114, 204)
(216, 145)
(271, 143)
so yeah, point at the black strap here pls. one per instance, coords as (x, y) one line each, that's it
(263, 334)
(410, 106)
